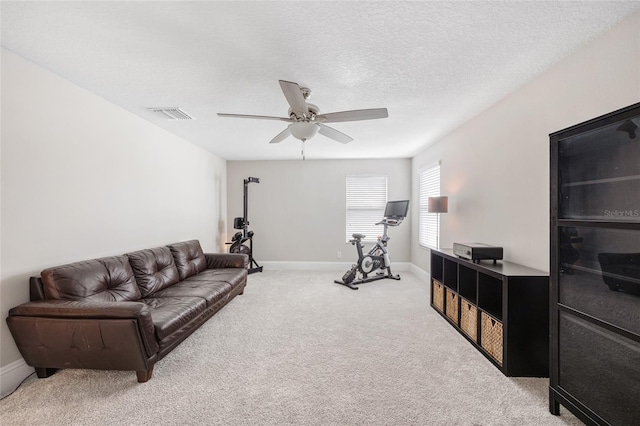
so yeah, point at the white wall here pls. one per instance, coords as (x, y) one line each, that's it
(297, 211)
(495, 168)
(82, 178)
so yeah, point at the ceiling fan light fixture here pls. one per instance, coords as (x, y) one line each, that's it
(303, 130)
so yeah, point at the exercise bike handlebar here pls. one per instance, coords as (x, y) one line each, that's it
(390, 221)
(386, 222)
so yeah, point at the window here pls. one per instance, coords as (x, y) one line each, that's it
(428, 223)
(366, 200)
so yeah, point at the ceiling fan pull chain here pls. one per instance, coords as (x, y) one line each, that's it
(303, 149)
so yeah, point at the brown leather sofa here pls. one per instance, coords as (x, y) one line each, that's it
(123, 312)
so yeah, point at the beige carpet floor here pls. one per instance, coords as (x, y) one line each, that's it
(297, 349)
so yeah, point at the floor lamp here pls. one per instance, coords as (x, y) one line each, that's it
(438, 205)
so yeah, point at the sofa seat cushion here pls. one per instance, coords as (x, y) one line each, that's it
(231, 276)
(189, 258)
(169, 314)
(212, 292)
(154, 269)
(108, 279)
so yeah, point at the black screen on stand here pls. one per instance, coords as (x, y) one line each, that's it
(396, 209)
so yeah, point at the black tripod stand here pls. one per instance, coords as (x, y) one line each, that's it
(240, 238)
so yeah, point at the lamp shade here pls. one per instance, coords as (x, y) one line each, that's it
(438, 204)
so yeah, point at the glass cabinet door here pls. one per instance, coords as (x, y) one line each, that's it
(599, 274)
(599, 173)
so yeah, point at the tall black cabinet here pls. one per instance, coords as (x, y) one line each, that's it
(595, 269)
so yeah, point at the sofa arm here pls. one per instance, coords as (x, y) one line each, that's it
(226, 260)
(124, 329)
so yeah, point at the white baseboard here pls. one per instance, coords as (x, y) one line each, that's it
(11, 375)
(420, 273)
(323, 266)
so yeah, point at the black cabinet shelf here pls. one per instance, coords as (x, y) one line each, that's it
(603, 181)
(467, 284)
(595, 269)
(501, 309)
(450, 278)
(599, 223)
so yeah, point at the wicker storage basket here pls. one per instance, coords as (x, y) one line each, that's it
(469, 319)
(452, 306)
(438, 295)
(491, 336)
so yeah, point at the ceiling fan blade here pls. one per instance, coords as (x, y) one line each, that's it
(281, 136)
(354, 115)
(295, 98)
(262, 117)
(332, 133)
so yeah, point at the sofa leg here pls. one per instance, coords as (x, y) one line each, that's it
(144, 375)
(43, 373)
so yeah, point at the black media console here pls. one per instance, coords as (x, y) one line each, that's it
(501, 309)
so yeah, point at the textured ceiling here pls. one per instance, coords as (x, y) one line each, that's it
(434, 65)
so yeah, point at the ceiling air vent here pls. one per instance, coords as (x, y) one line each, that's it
(173, 113)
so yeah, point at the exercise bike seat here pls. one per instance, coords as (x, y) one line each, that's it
(359, 236)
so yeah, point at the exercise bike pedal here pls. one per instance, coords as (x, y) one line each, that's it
(350, 275)
(349, 284)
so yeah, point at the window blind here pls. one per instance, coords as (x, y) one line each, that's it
(428, 224)
(366, 200)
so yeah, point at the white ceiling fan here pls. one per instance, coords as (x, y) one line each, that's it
(306, 119)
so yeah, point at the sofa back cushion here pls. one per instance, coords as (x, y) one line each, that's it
(154, 269)
(189, 258)
(105, 279)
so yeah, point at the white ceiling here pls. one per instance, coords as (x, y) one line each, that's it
(434, 65)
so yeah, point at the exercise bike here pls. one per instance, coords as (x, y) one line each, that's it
(239, 240)
(377, 259)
